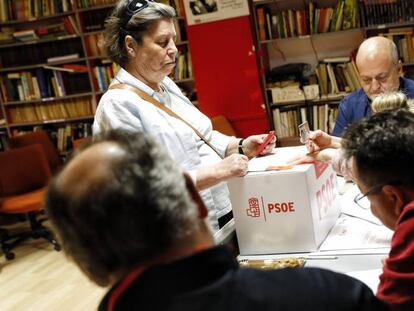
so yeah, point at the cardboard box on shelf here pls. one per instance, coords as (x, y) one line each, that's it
(284, 211)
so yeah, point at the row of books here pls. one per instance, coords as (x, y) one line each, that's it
(29, 9)
(318, 116)
(290, 23)
(66, 26)
(337, 77)
(377, 12)
(104, 75)
(83, 4)
(184, 68)
(44, 83)
(404, 40)
(45, 111)
(94, 44)
(64, 136)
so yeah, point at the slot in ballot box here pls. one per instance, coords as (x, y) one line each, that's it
(284, 211)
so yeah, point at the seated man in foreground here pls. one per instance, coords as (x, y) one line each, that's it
(129, 218)
(382, 151)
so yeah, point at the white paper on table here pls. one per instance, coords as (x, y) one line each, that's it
(354, 233)
(349, 207)
(360, 251)
(369, 277)
(279, 156)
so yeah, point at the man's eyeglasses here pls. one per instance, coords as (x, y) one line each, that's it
(134, 7)
(361, 198)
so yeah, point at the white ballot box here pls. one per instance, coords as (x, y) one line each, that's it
(284, 211)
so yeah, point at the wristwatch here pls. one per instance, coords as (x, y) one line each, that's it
(241, 146)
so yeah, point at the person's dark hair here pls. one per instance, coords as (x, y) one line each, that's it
(116, 27)
(382, 147)
(140, 209)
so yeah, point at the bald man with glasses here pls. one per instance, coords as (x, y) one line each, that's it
(379, 71)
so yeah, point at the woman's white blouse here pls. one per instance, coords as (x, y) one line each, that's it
(124, 109)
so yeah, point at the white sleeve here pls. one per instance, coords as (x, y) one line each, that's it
(113, 114)
(220, 141)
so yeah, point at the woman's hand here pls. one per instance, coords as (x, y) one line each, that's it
(325, 155)
(251, 143)
(234, 165)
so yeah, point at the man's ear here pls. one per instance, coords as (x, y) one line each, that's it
(397, 197)
(202, 209)
(130, 45)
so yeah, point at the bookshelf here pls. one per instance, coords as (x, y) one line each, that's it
(53, 70)
(320, 33)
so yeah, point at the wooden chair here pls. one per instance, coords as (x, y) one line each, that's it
(222, 125)
(24, 175)
(42, 138)
(76, 143)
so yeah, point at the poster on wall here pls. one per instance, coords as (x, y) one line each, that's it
(205, 11)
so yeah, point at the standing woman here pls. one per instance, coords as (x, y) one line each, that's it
(139, 36)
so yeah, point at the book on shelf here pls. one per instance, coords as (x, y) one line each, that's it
(70, 25)
(6, 35)
(58, 68)
(25, 35)
(340, 59)
(46, 111)
(63, 58)
(76, 67)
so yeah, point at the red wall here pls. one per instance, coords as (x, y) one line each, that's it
(226, 74)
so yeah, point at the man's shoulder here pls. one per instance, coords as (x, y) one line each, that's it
(408, 87)
(315, 287)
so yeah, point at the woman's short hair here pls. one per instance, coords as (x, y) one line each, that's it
(391, 101)
(117, 26)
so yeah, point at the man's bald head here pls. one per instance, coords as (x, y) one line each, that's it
(90, 169)
(377, 47)
(119, 202)
(378, 66)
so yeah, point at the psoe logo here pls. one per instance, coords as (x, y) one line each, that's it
(254, 208)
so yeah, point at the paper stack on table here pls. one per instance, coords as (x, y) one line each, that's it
(351, 234)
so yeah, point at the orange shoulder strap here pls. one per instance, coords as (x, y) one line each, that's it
(164, 108)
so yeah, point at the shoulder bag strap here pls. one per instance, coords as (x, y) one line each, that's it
(150, 99)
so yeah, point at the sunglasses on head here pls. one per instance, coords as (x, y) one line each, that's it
(134, 7)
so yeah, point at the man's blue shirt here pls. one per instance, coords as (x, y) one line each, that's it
(357, 105)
